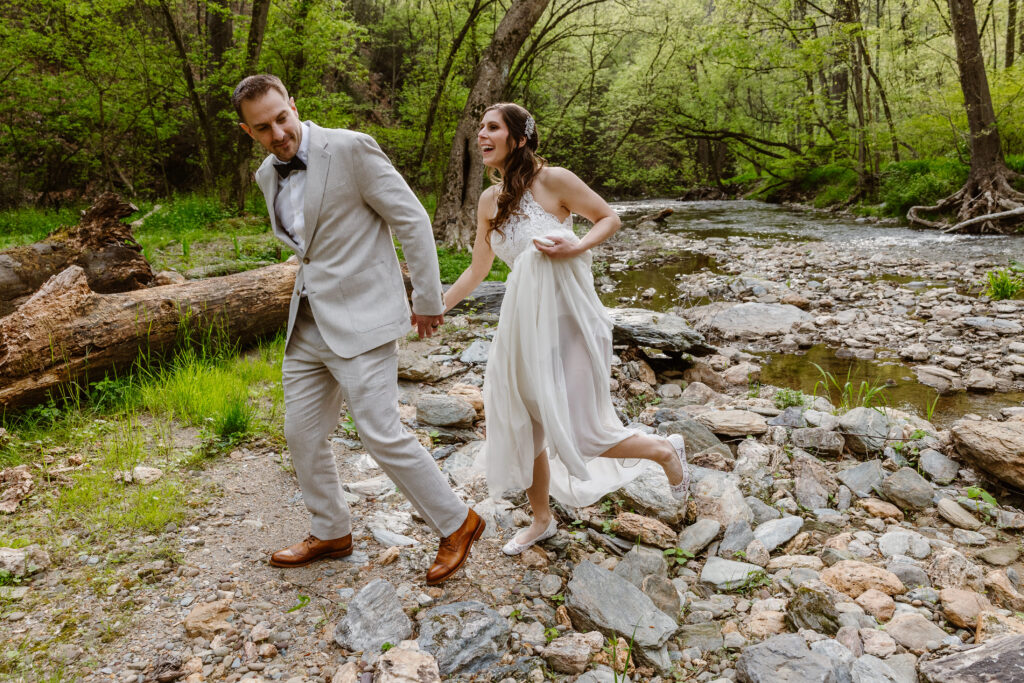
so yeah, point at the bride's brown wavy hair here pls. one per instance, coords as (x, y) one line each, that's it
(521, 167)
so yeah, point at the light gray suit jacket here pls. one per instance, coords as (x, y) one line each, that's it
(348, 263)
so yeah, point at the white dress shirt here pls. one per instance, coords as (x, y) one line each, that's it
(289, 201)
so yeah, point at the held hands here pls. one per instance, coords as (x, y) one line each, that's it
(426, 325)
(559, 247)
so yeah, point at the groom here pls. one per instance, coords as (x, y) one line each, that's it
(334, 198)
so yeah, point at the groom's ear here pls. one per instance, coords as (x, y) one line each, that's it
(247, 129)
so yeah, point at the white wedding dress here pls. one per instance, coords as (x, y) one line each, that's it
(547, 382)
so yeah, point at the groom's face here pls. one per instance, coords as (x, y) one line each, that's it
(272, 120)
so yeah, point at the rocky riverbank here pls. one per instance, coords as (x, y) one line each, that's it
(867, 299)
(818, 545)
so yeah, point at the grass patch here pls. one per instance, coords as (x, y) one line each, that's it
(1003, 284)
(847, 395)
(28, 225)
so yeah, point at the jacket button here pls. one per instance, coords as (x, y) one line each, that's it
(305, 260)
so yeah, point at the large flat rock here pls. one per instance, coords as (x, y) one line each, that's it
(996, 447)
(746, 320)
(665, 331)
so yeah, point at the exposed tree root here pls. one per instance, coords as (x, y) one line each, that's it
(987, 203)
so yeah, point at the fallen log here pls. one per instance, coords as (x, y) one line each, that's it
(101, 244)
(67, 332)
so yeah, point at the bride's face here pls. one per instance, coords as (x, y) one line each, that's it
(493, 140)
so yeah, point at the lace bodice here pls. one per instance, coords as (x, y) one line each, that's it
(533, 220)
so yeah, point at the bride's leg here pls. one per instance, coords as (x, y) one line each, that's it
(647, 447)
(539, 499)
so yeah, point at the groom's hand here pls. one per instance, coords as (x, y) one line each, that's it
(426, 325)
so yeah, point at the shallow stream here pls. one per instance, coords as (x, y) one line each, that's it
(760, 224)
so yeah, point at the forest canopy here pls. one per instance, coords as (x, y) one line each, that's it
(636, 96)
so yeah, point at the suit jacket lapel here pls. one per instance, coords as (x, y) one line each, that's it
(316, 180)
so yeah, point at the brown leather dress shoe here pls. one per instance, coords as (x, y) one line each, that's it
(453, 550)
(311, 550)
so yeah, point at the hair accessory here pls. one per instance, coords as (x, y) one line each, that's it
(531, 126)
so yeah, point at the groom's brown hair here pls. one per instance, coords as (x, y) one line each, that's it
(251, 87)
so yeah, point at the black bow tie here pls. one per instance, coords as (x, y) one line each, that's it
(296, 164)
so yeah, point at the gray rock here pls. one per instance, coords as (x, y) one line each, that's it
(444, 410)
(706, 637)
(737, 537)
(598, 600)
(775, 532)
(717, 495)
(416, 368)
(941, 379)
(998, 325)
(665, 331)
(747, 320)
(792, 417)
(762, 511)
(939, 468)
(662, 593)
(23, 562)
(461, 465)
(374, 617)
(813, 607)
(466, 637)
(865, 430)
(864, 479)
(696, 436)
(819, 441)
(1000, 555)
(914, 632)
(842, 659)
(602, 674)
(486, 298)
(908, 571)
(904, 542)
(908, 489)
(957, 516)
(641, 562)
(997, 660)
(783, 659)
(698, 535)
(727, 574)
(871, 669)
(476, 352)
(904, 666)
(389, 538)
(649, 494)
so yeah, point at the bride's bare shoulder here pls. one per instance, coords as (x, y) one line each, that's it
(555, 178)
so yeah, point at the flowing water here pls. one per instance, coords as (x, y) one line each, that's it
(763, 224)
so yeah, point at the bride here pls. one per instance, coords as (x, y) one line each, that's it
(551, 426)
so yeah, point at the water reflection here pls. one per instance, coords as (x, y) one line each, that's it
(631, 283)
(903, 390)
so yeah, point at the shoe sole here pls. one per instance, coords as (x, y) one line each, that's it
(476, 535)
(289, 565)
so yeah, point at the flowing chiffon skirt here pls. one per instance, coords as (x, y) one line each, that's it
(547, 384)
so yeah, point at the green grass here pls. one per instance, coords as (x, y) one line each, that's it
(848, 395)
(787, 398)
(1003, 284)
(24, 226)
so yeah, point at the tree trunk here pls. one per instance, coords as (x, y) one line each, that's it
(66, 332)
(1011, 31)
(101, 244)
(987, 201)
(243, 146)
(218, 36)
(455, 218)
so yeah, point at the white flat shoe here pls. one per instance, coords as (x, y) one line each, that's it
(513, 548)
(680, 491)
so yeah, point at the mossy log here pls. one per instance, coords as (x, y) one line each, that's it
(101, 244)
(67, 332)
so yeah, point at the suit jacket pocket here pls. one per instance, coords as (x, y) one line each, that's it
(375, 297)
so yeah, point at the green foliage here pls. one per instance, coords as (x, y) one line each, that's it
(920, 182)
(551, 633)
(24, 226)
(454, 262)
(976, 492)
(786, 398)
(303, 601)
(677, 556)
(1003, 283)
(848, 395)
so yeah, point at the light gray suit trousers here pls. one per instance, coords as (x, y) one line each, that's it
(342, 335)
